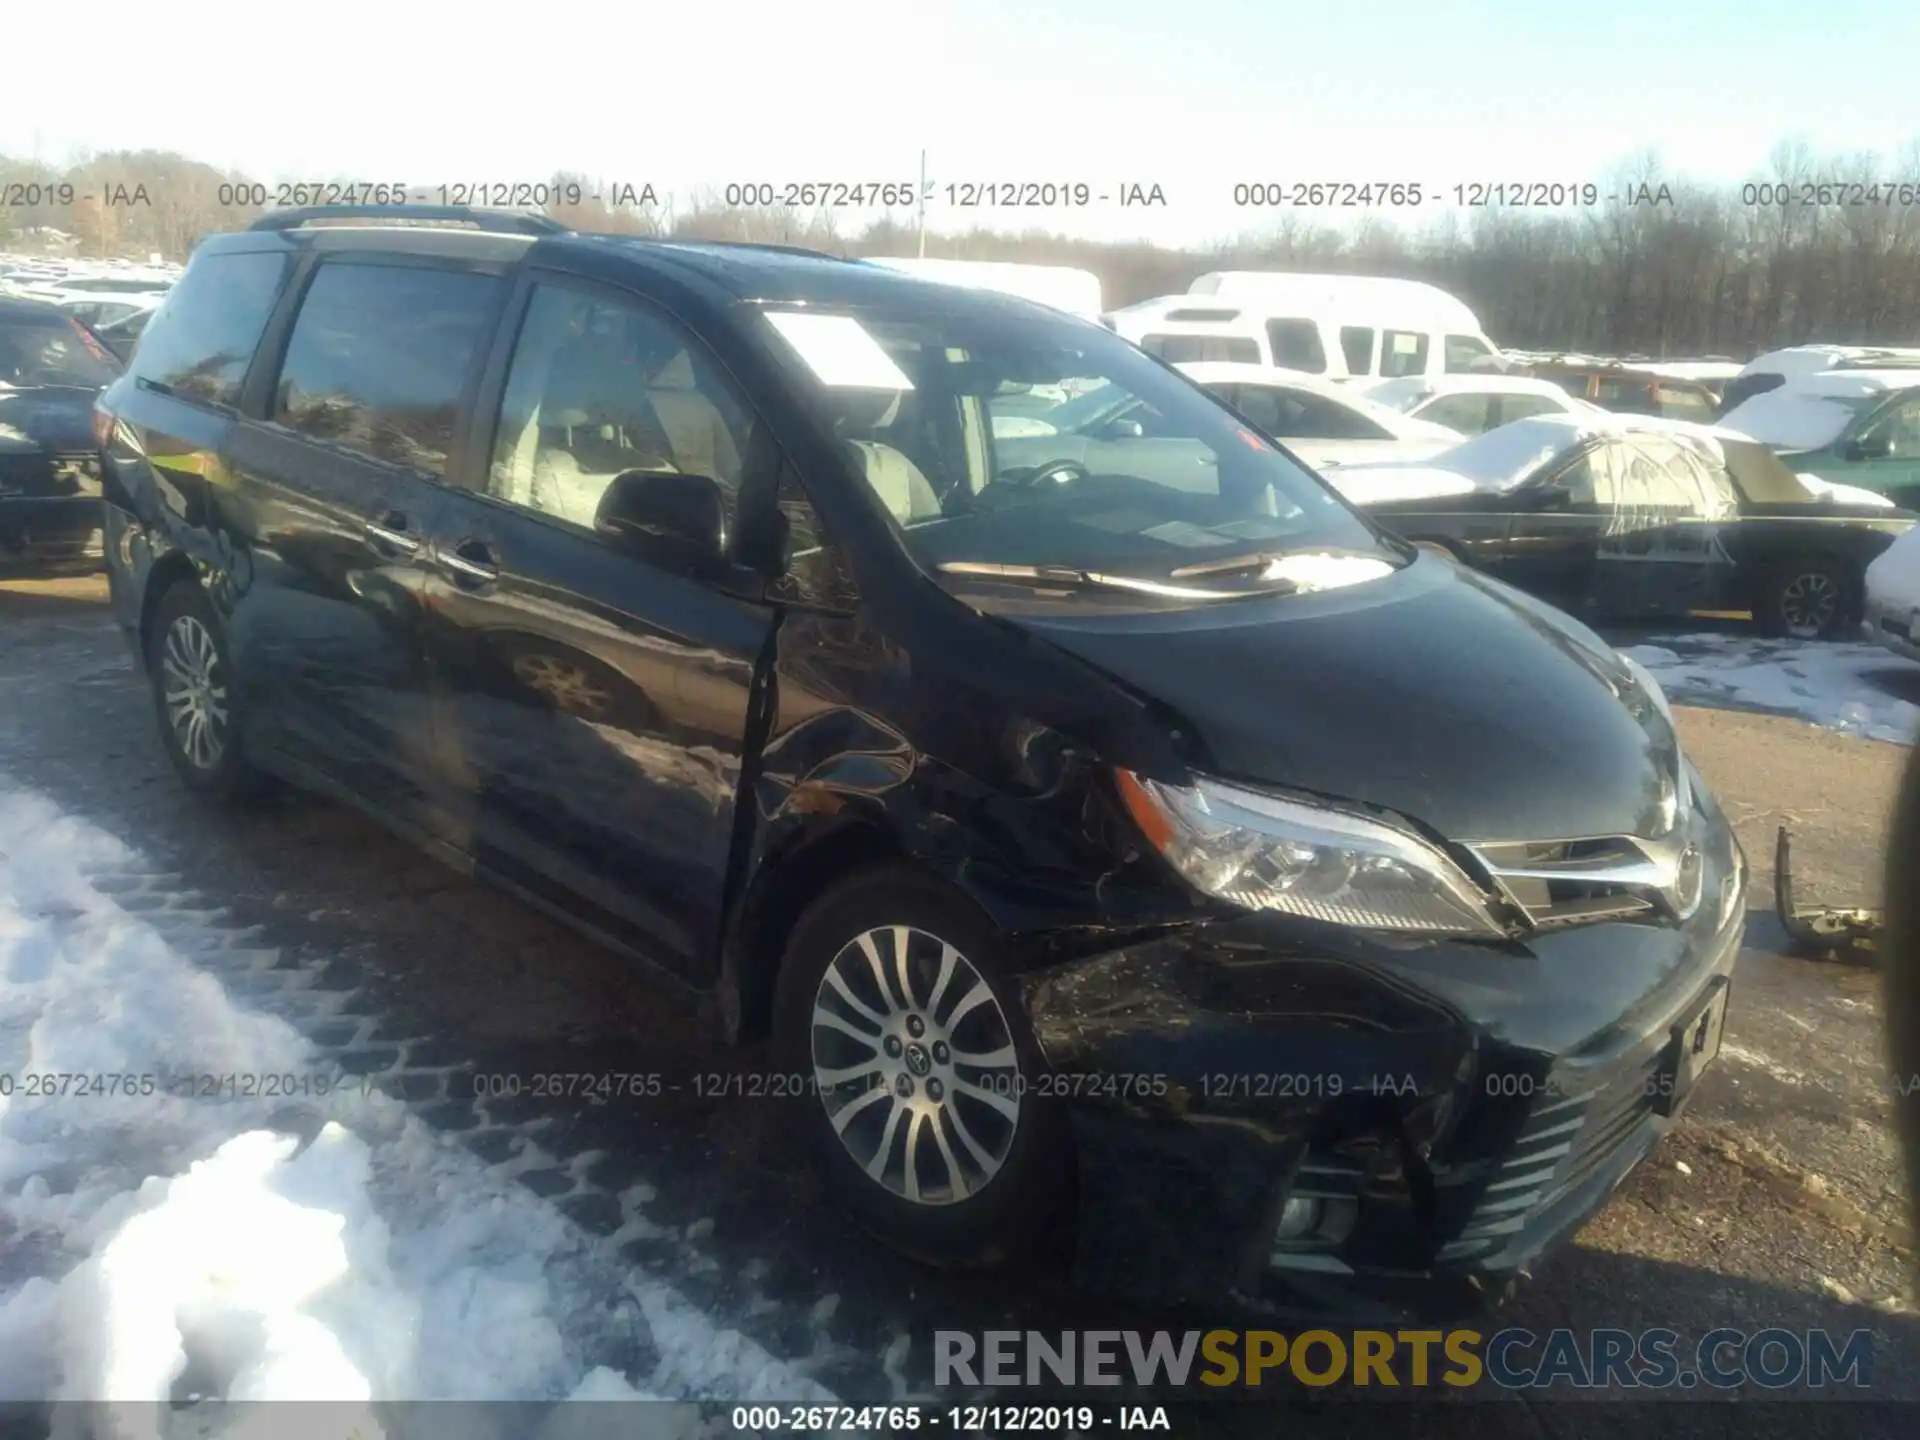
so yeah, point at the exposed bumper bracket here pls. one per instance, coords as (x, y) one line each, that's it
(1822, 929)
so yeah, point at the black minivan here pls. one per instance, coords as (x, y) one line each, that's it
(1290, 912)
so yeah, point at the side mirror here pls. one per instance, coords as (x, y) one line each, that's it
(666, 515)
(1122, 430)
(1867, 447)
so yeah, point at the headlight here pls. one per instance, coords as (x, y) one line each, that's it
(1266, 853)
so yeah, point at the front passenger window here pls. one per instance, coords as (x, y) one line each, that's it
(599, 387)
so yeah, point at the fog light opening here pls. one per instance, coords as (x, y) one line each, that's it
(1299, 1217)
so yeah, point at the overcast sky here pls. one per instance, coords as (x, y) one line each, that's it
(1192, 96)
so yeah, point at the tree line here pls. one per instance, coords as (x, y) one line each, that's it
(1817, 247)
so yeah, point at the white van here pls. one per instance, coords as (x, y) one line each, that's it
(1341, 327)
(1061, 286)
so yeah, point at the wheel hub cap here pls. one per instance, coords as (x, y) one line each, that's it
(1809, 603)
(916, 1066)
(194, 692)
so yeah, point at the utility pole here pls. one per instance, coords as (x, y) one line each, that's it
(923, 204)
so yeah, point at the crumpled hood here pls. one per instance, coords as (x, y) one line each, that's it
(1433, 692)
(55, 421)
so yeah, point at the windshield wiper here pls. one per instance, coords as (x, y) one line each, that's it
(1260, 560)
(1087, 579)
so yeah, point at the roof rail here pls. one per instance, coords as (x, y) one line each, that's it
(499, 222)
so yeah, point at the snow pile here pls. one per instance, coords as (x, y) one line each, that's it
(156, 1247)
(1830, 685)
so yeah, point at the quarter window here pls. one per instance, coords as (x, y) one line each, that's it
(379, 358)
(202, 338)
(1465, 413)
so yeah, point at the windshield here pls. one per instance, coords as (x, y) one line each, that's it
(38, 350)
(1140, 476)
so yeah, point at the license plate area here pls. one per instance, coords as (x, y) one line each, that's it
(1694, 1044)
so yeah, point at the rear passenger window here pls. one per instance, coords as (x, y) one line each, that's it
(1466, 413)
(1466, 353)
(200, 342)
(1296, 345)
(379, 357)
(1518, 407)
(1356, 345)
(1402, 352)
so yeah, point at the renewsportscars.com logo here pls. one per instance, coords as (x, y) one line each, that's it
(1511, 1359)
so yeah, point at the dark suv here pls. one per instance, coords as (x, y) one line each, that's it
(1290, 910)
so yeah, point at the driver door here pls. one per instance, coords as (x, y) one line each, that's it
(1661, 554)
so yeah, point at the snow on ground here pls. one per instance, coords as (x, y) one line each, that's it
(1832, 685)
(156, 1243)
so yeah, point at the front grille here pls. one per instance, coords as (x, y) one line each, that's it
(1567, 1139)
(1572, 882)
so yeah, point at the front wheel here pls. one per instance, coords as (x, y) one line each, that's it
(923, 1113)
(1811, 598)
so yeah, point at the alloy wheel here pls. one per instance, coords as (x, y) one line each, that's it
(916, 1065)
(194, 691)
(1808, 604)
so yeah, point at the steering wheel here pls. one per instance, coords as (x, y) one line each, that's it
(1060, 472)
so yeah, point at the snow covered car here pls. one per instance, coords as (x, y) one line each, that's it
(1845, 427)
(1775, 368)
(1475, 404)
(51, 368)
(1893, 596)
(1632, 517)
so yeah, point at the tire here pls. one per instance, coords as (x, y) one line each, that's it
(189, 671)
(1812, 597)
(1013, 1175)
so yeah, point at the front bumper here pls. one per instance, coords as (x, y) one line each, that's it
(56, 535)
(1457, 1110)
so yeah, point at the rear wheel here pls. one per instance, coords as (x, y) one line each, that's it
(895, 1006)
(1810, 598)
(190, 673)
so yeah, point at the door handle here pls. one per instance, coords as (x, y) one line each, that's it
(391, 531)
(471, 561)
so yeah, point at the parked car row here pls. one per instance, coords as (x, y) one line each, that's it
(51, 369)
(1632, 518)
